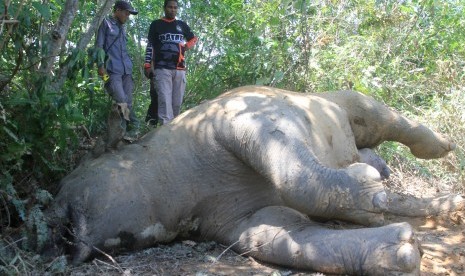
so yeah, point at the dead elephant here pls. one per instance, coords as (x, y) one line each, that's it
(249, 169)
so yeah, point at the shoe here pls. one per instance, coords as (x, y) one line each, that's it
(131, 135)
(153, 123)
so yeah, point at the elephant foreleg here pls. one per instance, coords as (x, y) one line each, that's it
(285, 237)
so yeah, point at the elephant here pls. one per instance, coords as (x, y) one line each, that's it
(260, 169)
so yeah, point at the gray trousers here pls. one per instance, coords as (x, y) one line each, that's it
(120, 87)
(170, 85)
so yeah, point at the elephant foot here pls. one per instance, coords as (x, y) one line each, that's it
(354, 194)
(364, 201)
(303, 244)
(427, 144)
(397, 251)
(369, 157)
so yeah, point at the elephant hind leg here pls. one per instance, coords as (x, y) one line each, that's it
(285, 237)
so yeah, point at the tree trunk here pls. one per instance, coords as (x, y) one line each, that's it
(58, 83)
(58, 35)
(58, 38)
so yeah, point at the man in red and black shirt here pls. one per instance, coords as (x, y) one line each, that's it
(168, 40)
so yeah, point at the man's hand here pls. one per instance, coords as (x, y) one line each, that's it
(103, 74)
(101, 71)
(148, 72)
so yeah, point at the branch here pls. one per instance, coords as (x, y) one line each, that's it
(5, 81)
(58, 83)
(8, 21)
(58, 35)
(6, 37)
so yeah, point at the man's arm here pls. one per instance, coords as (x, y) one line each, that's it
(191, 43)
(190, 37)
(149, 52)
(148, 60)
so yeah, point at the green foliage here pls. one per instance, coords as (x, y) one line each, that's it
(39, 123)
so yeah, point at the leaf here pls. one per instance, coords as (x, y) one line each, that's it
(100, 56)
(51, 165)
(278, 76)
(43, 9)
(262, 81)
(11, 134)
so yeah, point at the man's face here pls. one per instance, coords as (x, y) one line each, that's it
(122, 15)
(171, 10)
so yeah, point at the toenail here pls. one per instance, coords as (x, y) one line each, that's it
(407, 258)
(406, 234)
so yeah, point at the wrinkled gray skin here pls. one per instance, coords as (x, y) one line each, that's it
(370, 157)
(248, 169)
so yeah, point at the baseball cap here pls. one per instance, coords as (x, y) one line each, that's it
(123, 5)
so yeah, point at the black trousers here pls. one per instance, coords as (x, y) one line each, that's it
(152, 112)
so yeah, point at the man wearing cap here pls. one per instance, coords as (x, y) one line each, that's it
(116, 67)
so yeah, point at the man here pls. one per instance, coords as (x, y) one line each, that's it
(168, 39)
(116, 71)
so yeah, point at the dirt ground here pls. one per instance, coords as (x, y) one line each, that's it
(443, 244)
(442, 239)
